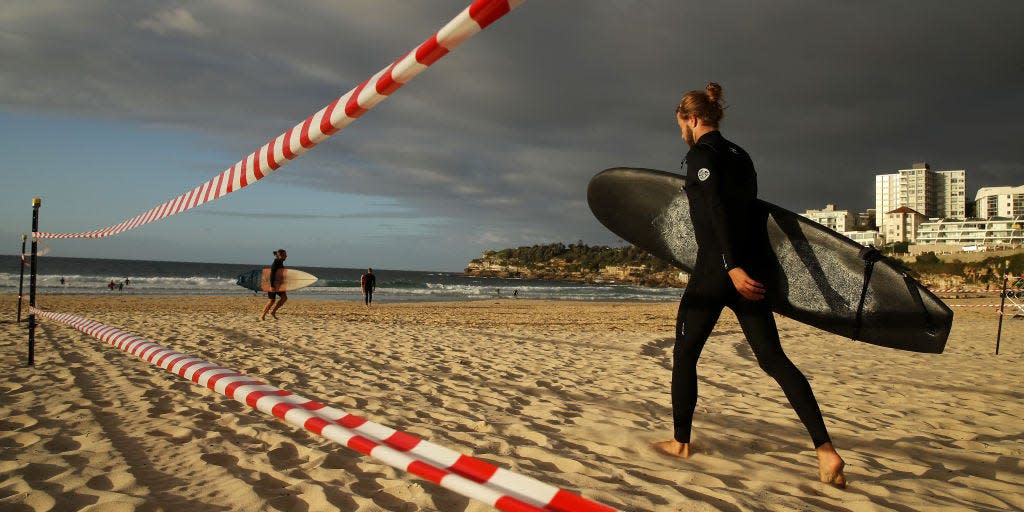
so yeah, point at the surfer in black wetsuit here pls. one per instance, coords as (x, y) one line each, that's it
(368, 282)
(279, 256)
(734, 261)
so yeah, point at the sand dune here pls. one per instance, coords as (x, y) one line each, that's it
(571, 394)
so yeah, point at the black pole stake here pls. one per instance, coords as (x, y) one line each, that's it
(36, 203)
(21, 280)
(1002, 302)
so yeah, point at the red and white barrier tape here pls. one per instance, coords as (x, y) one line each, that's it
(962, 290)
(466, 475)
(321, 125)
(978, 305)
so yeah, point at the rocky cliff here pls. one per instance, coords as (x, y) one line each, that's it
(494, 264)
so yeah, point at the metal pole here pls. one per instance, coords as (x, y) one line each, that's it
(36, 203)
(1002, 302)
(21, 280)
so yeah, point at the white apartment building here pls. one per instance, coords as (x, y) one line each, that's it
(887, 192)
(845, 223)
(872, 237)
(940, 194)
(951, 194)
(999, 202)
(901, 225)
(836, 220)
(993, 232)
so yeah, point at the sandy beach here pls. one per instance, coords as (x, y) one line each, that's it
(569, 393)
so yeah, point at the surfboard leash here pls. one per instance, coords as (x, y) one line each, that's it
(915, 293)
(870, 255)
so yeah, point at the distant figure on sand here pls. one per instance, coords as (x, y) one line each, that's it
(368, 283)
(279, 256)
(733, 259)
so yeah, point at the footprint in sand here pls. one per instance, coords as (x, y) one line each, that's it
(284, 457)
(220, 459)
(336, 460)
(176, 434)
(39, 501)
(19, 440)
(35, 472)
(63, 443)
(17, 422)
(100, 483)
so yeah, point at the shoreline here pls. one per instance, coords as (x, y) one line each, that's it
(569, 393)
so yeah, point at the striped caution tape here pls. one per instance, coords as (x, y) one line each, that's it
(466, 475)
(977, 305)
(321, 125)
(962, 290)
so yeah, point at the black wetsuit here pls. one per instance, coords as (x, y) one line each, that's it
(369, 284)
(730, 227)
(277, 265)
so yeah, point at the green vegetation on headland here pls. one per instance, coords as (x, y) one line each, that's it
(581, 262)
(986, 273)
(578, 262)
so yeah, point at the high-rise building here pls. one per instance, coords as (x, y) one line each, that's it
(887, 192)
(934, 194)
(951, 194)
(999, 202)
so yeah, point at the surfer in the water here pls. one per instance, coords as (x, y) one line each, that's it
(733, 260)
(279, 256)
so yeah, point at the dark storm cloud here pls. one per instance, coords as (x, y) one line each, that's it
(309, 216)
(505, 132)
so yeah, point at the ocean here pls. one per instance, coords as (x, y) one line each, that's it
(91, 276)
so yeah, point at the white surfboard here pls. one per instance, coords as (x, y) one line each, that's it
(287, 279)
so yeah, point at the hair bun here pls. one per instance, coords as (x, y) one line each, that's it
(714, 91)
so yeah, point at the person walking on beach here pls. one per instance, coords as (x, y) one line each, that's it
(733, 262)
(279, 256)
(368, 283)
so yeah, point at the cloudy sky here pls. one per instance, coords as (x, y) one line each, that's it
(110, 108)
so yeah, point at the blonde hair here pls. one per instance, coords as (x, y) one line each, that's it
(705, 105)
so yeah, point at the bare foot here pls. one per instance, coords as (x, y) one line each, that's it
(830, 466)
(274, 315)
(673, 448)
(262, 318)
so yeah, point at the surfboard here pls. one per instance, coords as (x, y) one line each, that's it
(824, 279)
(288, 279)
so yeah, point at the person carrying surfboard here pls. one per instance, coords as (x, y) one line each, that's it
(734, 259)
(279, 256)
(368, 282)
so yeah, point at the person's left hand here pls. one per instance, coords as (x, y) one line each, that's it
(749, 288)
